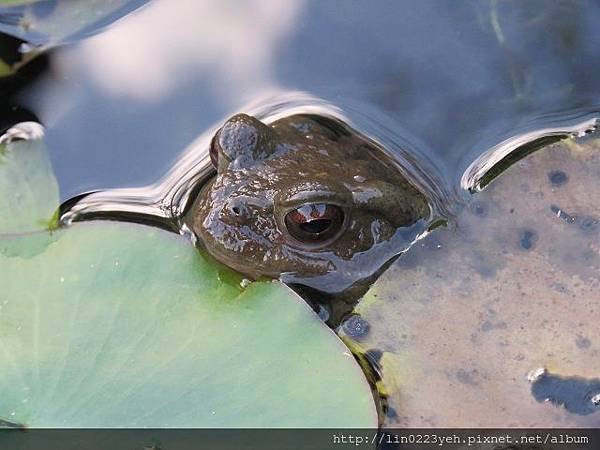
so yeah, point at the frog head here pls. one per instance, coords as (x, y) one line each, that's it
(305, 199)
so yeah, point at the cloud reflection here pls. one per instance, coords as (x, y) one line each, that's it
(160, 47)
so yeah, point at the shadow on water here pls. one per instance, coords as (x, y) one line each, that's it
(17, 73)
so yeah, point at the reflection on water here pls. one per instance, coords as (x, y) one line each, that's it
(500, 157)
(577, 395)
(490, 71)
(169, 197)
(232, 43)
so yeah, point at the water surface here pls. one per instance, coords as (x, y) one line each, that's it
(451, 79)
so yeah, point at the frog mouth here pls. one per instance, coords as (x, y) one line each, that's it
(262, 263)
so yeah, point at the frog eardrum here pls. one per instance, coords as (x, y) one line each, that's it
(305, 199)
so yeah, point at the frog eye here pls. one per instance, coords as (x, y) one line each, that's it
(314, 222)
(214, 153)
(243, 138)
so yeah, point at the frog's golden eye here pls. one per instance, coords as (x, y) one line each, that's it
(314, 222)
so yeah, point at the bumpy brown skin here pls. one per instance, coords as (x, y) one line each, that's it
(265, 171)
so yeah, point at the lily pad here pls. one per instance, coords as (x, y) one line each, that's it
(29, 189)
(16, 2)
(471, 316)
(52, 22)
(119, 325)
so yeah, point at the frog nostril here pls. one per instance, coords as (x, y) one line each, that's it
(236, 209)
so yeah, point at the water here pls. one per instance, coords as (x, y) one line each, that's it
(453, 80)
(577, 395)
(457, 92)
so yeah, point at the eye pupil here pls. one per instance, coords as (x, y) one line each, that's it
(316, 226)
(313, 223)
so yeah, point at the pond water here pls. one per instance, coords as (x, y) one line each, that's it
(438, 84)
(451, 79)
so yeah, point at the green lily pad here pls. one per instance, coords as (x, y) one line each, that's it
(471, 316)
(27, 185)
(108, 324)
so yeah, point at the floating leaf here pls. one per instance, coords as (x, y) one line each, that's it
(509, 288)
(27, 184)
(51, 22)
(108, 324)
(17, 2)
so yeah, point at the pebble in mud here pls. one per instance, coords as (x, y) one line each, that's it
(528, 239)
(558, 178)
(355, 326)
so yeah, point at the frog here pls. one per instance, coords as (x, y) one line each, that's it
(307, 200)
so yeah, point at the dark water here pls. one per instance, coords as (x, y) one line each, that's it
(451, 78)
(577, 395)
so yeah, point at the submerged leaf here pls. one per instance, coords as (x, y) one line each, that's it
(509, 288)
